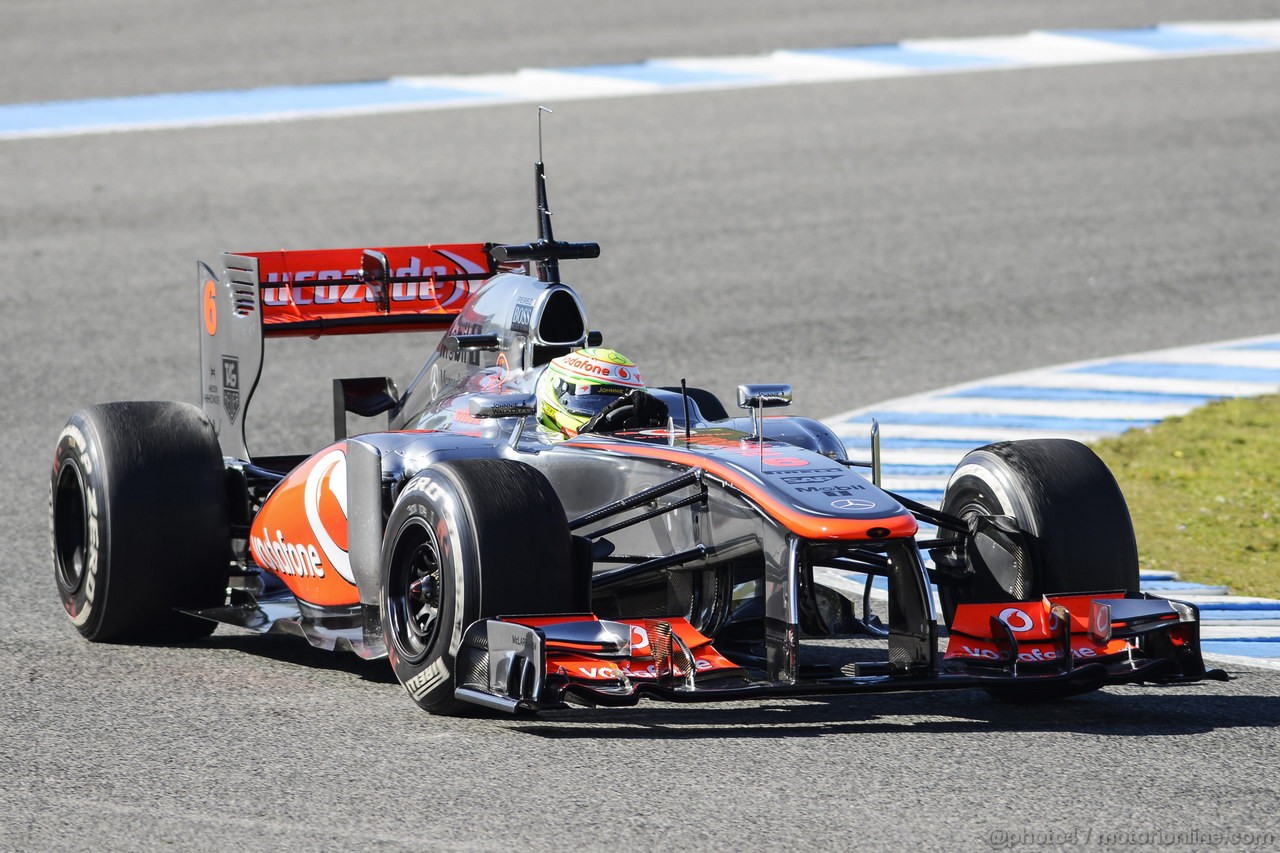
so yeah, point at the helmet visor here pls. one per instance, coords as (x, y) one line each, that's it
(590, 405)
(587, 400)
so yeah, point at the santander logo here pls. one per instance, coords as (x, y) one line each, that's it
(324, 499)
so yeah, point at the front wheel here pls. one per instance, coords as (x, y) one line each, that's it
(1074, 526)
(466, 540)
(1071, 531)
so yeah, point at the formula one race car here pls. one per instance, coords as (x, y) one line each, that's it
(666, 550)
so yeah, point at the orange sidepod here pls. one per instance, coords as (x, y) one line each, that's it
(301, 533)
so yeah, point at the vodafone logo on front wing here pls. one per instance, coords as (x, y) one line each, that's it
(1017, 620)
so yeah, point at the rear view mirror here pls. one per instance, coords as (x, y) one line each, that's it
(757, 398)
(763, 396)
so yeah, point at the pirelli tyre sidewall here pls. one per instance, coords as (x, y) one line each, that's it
(429, 539)
(465, 540)
(79, 531)
(138, 521)
(1076, 528)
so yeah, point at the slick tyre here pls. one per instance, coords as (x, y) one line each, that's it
(466, 540)
(1074, 521)
(138, 518)
(1076, 535)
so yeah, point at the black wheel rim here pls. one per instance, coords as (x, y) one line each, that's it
(415, 592)
(70, 529)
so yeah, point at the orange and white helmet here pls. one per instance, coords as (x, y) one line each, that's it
(576, 387)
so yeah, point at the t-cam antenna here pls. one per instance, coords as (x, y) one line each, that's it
(547, 251)
(549, 269)
(541, 110)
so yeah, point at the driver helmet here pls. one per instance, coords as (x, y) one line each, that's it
(576, 387)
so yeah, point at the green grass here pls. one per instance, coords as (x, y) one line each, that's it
(1204, 493)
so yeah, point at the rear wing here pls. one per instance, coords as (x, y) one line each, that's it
(259, 295)
(359, 291)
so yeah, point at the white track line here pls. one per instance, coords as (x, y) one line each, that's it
(651, 77)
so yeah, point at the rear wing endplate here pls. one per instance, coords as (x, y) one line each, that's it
(257, 295)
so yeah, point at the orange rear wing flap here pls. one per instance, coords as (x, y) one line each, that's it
(311, 293)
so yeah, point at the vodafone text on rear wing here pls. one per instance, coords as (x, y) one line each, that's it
(258, 295)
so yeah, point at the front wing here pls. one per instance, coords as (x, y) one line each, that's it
(1057, 646)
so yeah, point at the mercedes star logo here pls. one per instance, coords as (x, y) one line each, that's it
(853, 503)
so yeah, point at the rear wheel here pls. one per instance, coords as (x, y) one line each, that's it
(466, 540)
(138, 518)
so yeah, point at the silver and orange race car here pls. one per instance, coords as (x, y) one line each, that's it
(667, 550)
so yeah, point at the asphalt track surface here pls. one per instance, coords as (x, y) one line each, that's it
(862, 240)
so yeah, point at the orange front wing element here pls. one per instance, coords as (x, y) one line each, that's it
(652, 653)
(1041, 631)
